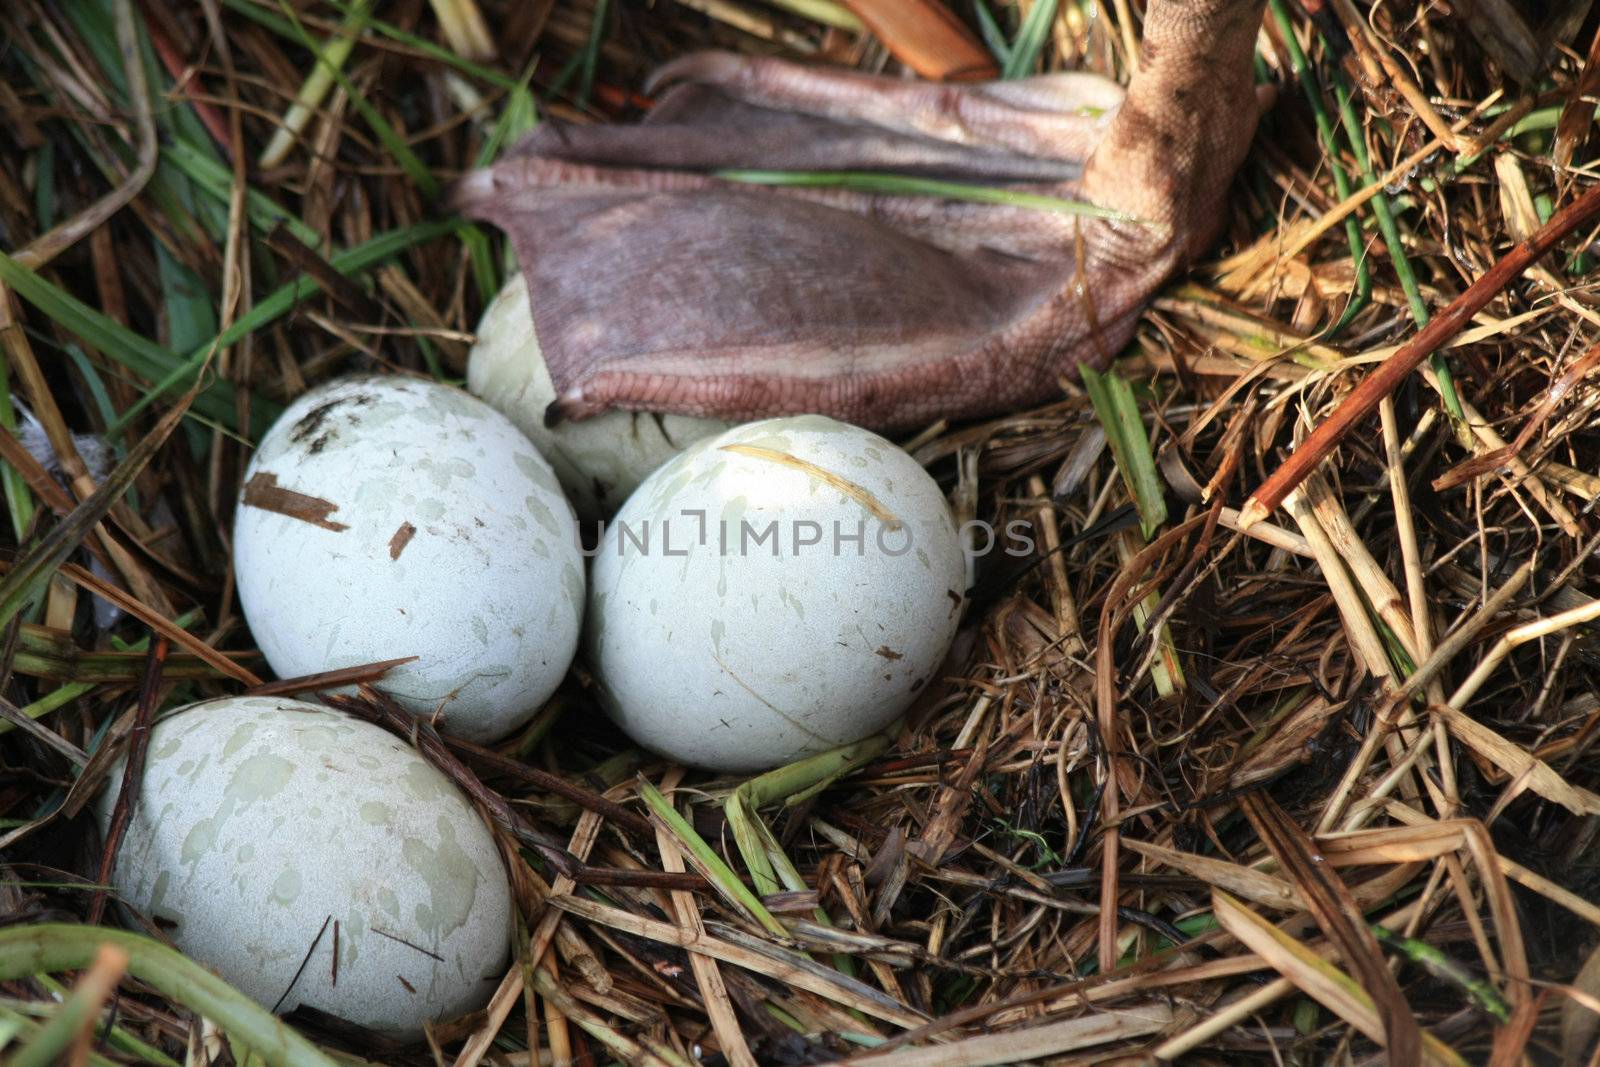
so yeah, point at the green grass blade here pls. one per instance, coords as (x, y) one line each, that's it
(350, 262)
(828, 12)
(54, 947)
(907, 185)
(216, 180)
(520, 114)
(591, 51)
(993, 36)
(1383, 211)
(48, 1044)
(1118, 412)
(732, 887)
(1031, 39)
(480, 256)
(15, 1025)
(1309, 84)
(92, 381)
(769, 867)
(19, 498)
(1445, 969)
(118, 343)
(42, 653)
(328, 60)
(393, 143)
(118, 1038)
(264, 17)
(190, 315)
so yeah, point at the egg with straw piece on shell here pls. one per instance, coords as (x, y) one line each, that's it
(779, 590)
(599, 460)
(384, 517)
(311, 858)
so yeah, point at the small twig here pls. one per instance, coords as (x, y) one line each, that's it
(59, 238)
(583, 874)
(133, 772)
(304, 960)
(37, 730)
(492, 762)
(1392, 371)
(378, 707)
(363, 673)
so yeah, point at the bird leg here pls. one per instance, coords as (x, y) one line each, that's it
(658, 286)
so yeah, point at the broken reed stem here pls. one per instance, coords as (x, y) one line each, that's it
(1066, 609)
(328, 57)
(1364, 640)
(1392, 371)
(1406, 531)
(1574, 616)
(1223, 1020)
(1416, 592)
(516, 984)
(67, 1036)
(1381, 593)
(707, 975)
(1447, 650)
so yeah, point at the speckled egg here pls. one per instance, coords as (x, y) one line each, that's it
(599, 460)
(312, 858)
(385, 517)
(776, 591)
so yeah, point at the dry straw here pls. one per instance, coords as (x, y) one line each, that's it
(1199, 782)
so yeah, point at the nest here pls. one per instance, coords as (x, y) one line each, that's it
(1322, 787)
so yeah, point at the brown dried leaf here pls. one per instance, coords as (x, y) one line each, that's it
(1316, 977)
(1339, 916)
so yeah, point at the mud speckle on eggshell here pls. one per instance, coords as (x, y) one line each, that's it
(784, 588)
(384, 517)
(263, 822)
(599, 460)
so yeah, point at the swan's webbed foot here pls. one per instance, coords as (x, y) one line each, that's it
(656, 285)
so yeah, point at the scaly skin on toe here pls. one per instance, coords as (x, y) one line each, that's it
(659, 287)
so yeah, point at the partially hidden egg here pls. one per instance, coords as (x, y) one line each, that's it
(311, 858)
(781, 589)
(599, 460)
(385, 517)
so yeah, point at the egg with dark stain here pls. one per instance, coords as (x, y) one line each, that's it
(385, 517)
